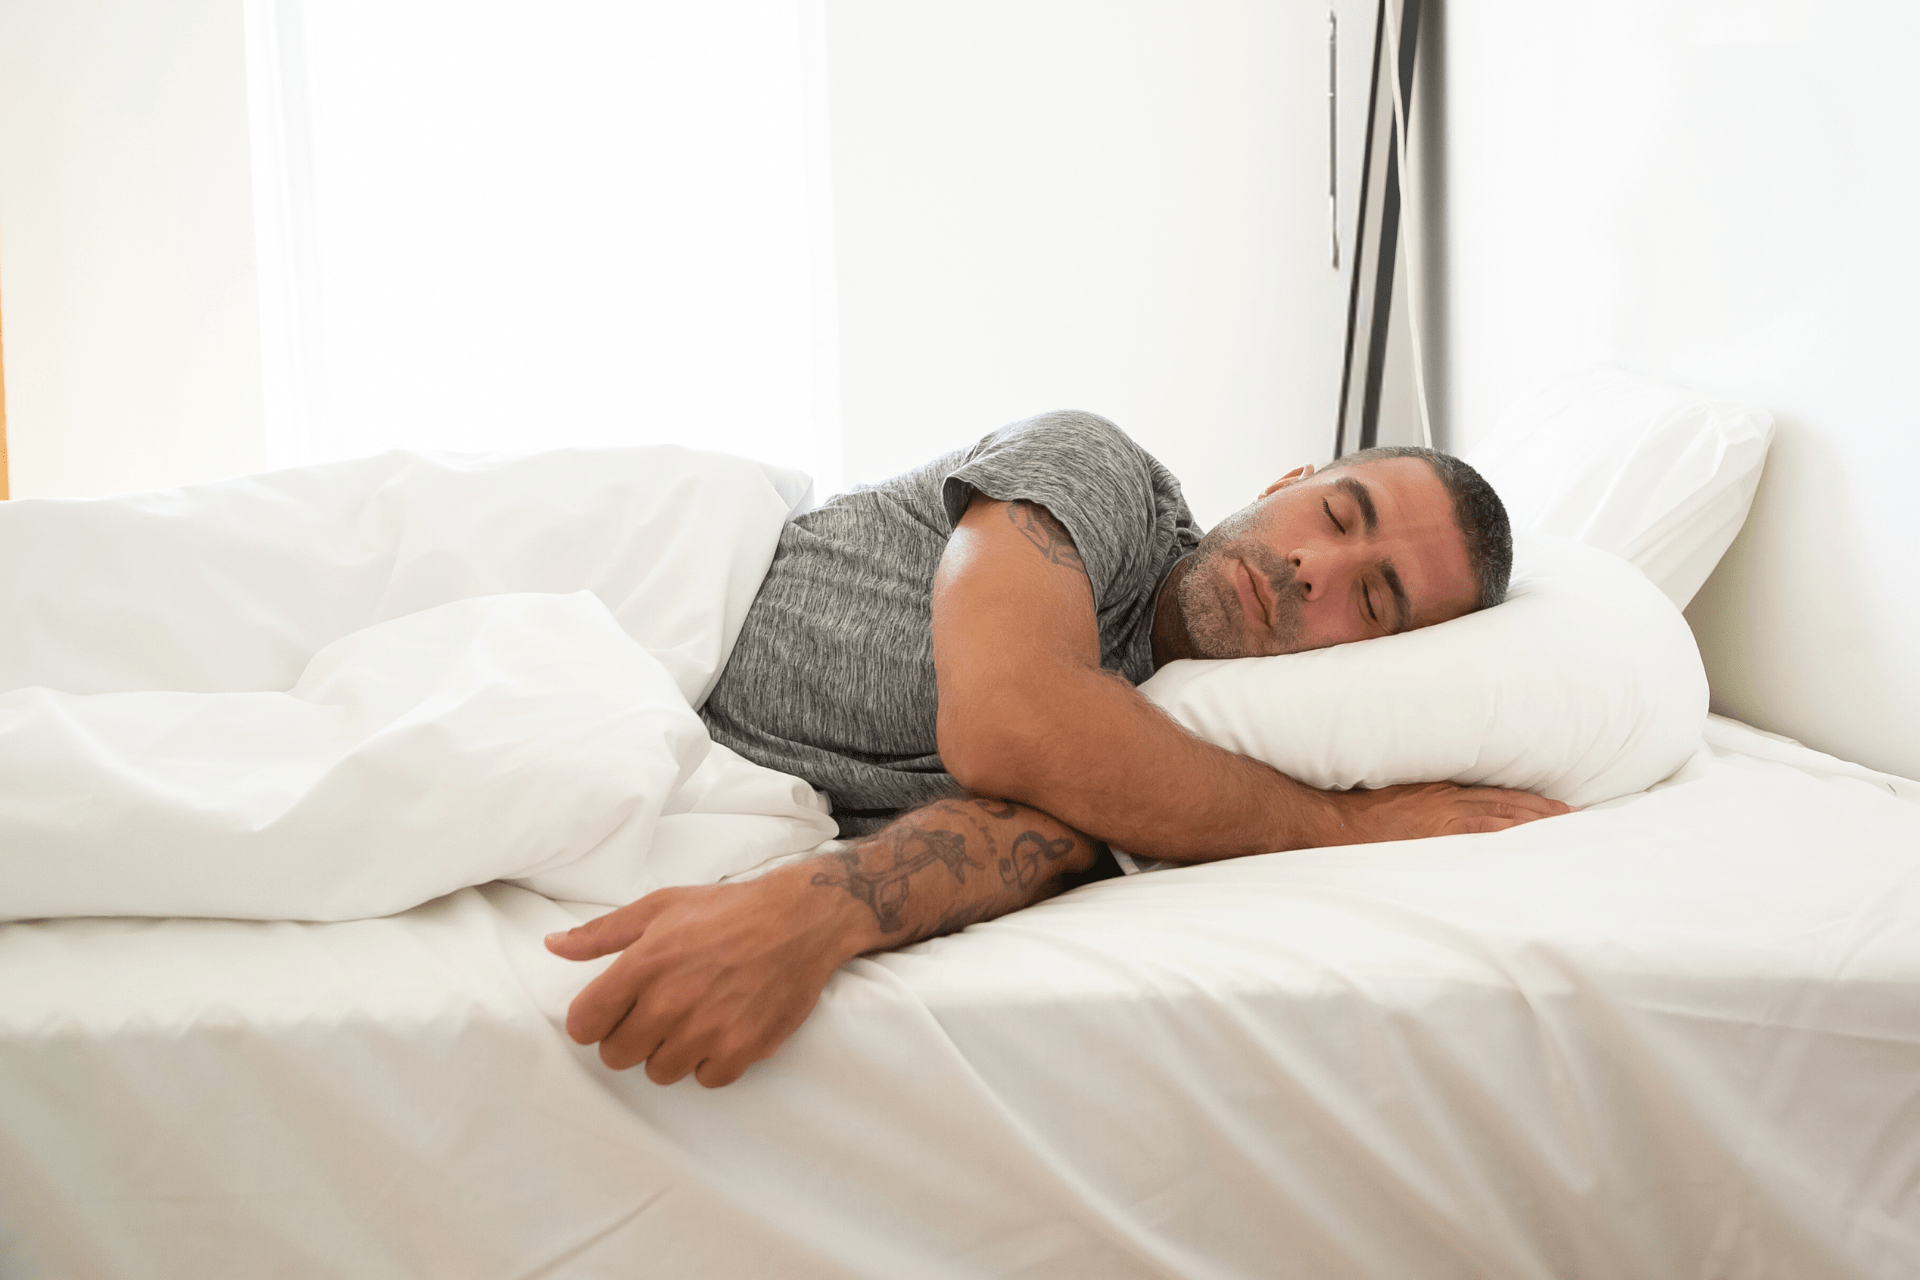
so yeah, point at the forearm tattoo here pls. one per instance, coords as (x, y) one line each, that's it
(1037, 525)
(926, 837)
(885, 891)
(1030, 848)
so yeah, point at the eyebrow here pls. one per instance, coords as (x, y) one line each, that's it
(1402, 606)
(1362, 499)
(1403, 609)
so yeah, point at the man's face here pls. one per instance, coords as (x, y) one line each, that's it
(1319, 560)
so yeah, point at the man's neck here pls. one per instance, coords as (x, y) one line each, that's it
(1170, 638)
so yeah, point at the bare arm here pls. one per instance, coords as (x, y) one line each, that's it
(713, 978)
(1027, 712)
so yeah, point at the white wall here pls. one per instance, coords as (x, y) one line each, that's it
(126, 245)
(1721, 193)
(1114, 205)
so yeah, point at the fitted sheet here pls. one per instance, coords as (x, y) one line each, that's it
(1673, 1035)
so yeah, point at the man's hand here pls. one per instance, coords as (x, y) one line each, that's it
(712, 979)
(1420, 809)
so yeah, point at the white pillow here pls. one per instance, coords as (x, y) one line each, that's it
(1584, 686)
(1658, 475)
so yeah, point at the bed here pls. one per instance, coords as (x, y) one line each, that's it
(1671, 1034)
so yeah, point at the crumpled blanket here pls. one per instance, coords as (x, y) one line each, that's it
(341, 691)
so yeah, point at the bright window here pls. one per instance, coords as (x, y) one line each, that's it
(505, 226)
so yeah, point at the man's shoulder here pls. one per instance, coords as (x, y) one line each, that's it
(1067, 430)
(1076, 446)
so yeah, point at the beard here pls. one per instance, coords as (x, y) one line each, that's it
(1210, 607)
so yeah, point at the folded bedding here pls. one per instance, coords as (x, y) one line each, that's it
(233, 587)
(342, 691)
(511, 737)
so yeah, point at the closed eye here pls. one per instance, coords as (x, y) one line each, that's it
(1336, 520)
(1366, 597)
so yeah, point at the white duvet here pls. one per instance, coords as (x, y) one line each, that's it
(344, 691)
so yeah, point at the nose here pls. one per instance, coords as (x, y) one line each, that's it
(1318, 570)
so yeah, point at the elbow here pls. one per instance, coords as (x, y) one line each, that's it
(992, 754)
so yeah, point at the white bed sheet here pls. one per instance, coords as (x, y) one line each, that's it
(1675, 1035)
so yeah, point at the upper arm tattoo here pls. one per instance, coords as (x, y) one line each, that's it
(1037, 525)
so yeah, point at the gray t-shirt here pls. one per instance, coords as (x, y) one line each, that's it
(832, 677)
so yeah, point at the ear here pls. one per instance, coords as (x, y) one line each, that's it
(1300, 472)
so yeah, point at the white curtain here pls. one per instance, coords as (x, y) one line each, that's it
(508, 225)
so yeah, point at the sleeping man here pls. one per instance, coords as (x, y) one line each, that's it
(951, 657)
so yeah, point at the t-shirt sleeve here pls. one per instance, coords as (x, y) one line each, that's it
(1084, 470)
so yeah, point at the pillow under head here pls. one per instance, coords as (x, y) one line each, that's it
(1584, 686)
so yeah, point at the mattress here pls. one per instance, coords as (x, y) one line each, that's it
(1672, 1035)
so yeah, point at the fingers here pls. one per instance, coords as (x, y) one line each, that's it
(1481, 809)
(714, 1042)
(1524, 801)
(715, 1051)
(735, 1045)
(1519, 806)
(1414, 810)
(603, 935)
(608, 1002)
(1487, 822)
(719, 1073)
(713, 1056)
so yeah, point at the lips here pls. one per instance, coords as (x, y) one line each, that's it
(1250, 602)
